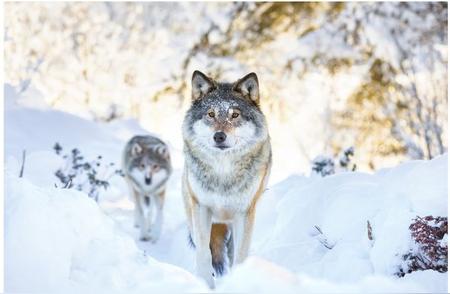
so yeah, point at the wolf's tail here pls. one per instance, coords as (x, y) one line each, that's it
(221, 245)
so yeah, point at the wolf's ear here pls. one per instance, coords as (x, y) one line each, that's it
(163, 151)
(249, 87)
(166, 153)
(136, 149)
(201, 85)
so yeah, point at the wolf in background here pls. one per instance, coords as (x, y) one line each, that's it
(147, 167)
(227, 163)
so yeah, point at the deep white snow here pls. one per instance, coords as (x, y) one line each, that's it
(310, 233)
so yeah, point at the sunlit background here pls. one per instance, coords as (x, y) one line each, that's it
(332, 75)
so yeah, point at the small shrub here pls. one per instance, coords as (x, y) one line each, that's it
(84, 175)
(345, 161)
(326, 165)
(430, 246)
(323, 165)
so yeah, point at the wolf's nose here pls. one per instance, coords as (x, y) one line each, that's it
(148, 181)
(220, 137)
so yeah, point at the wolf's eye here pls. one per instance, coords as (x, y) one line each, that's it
(235, 115)
(142, 166)
(211, 114)
(156, 167)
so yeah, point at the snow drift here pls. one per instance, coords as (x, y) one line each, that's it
(311, 233)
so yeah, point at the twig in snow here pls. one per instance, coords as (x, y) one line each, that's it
(24, 154)
(318, 229)
(369, 231)
(68, 184)
(322, 239)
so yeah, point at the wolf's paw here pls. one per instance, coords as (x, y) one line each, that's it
(151, 236)
(209, 279)
(144, 238)
(154, 236)
(154, 233)
(219, 267)
(207, 273)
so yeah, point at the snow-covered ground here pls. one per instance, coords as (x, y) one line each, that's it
(310, 235)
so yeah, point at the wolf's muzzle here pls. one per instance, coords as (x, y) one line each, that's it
(148, 181)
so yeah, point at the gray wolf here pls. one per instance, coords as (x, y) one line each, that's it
(227, 163)
(146, 166)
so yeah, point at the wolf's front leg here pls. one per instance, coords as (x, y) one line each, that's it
(137, 205)
(242, 234)
(146, 213)
(138, 218)
(155, 229)
(201, 216)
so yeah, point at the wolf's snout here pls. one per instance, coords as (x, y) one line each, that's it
(220, 137)
(148, 181)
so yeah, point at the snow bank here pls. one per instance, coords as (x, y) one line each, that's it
(256, 275)
(59, 240)
(311, 233)
(341, 206)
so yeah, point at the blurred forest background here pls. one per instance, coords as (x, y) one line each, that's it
(332, 75)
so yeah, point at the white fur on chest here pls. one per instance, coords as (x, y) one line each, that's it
(223, 204)
(223, 166)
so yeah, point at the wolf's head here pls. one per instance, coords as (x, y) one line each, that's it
(149, 165)
(224, 117)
